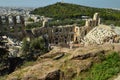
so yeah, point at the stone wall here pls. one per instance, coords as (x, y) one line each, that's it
(11, 24)
(93, 22)
(67, 34)
(60, 34)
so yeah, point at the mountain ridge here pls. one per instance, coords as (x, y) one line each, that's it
(68, 10)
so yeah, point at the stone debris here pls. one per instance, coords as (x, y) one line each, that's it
(101, 34)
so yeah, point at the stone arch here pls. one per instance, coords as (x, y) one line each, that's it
(18, 19)
(10, 19)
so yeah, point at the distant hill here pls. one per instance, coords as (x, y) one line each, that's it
(72, 11)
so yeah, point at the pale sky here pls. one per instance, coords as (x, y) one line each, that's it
(40, 3)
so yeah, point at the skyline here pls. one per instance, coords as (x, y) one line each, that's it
(41, 3)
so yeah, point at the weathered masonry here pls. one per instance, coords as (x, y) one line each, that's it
(11, 24)
(67, 34)
(60, 34)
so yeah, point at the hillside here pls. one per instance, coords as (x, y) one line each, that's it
(73, 64)
(73, 11)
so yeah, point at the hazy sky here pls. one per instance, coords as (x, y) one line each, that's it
(39, 3)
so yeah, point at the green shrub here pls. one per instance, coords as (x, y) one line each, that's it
(32, 49)
(25, 45)
(65, 22)
(61, 11)
(37, 43)
(33, 25)
(30, 19)
(4, 62)
(109, 67)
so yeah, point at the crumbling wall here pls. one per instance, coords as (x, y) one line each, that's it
(100, 35)
(60, 34)
(11, 24)
(91, 23)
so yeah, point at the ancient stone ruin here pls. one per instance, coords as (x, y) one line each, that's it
(102, 34)
(64, 35)
(11, 23)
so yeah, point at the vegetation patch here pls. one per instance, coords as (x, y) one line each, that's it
(104, 70)
(61, 11)
(34, 48)
(33, 25)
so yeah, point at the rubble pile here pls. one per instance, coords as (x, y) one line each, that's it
(100, 35)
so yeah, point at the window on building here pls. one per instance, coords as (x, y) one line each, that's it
(72, 36)
(56, 30)
(60, 30)
(65, 41)
(3, 21)
(56, 42)
(65, 37)
(56, 39)
(18, 19)
(10, 19)
(76, 29)
(70, 29)
(2, 17)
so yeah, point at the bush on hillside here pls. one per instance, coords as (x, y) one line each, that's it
(104, 70)
(61, 11)
(33, 25)
(34, 48)
(4, 69)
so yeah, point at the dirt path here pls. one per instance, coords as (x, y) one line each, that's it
(118, 78)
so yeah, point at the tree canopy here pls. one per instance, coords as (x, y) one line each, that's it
(65, 10)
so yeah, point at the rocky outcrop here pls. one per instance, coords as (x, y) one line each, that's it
(102, 34)
(55, 75)
(87, 55)
(73, 63)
